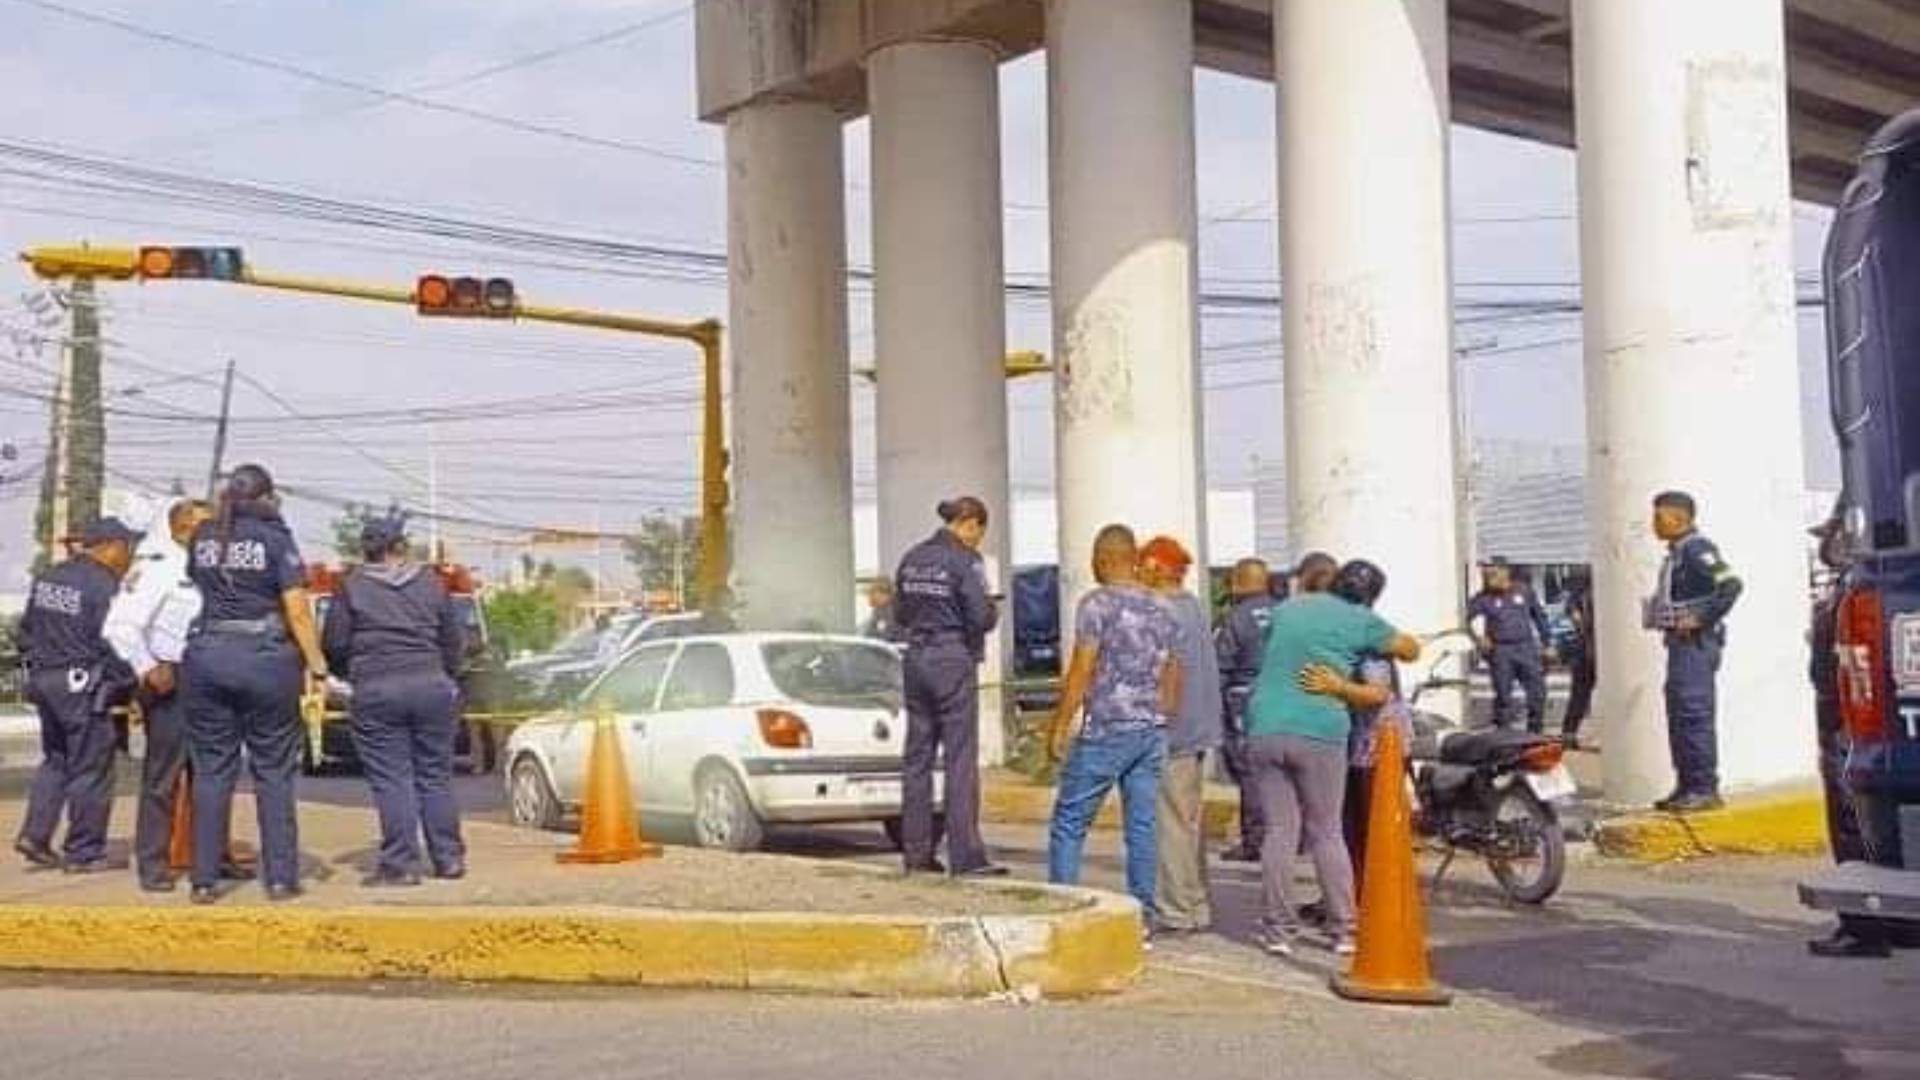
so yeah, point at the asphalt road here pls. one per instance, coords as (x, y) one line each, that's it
(1692, 972)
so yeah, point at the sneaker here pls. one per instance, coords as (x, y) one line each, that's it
(1694, 802)
(39, 855)
(1342, 944)
(1274, 941)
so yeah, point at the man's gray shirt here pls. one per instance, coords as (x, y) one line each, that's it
(1198, 727)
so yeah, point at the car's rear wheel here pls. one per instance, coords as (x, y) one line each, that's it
(530, 799)
(723, 818)
(896, 830)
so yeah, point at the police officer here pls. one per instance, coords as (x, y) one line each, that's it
(74, 680)
(1511, 628)
(394, 635)
(881, 624)
(244, 679)
(1582, 658)
(147, 627)
(1697, 589)
(1241, 642)
(944, 615)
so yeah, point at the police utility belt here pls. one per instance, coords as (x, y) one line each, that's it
(267, 626)
(1660, 613)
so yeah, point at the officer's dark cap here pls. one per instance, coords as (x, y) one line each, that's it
(382, 534)
(109, 530)
(1675, 500)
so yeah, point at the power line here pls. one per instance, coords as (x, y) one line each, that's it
(336, 82)
(525, 60)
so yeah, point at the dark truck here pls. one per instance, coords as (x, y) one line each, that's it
(1872, 279)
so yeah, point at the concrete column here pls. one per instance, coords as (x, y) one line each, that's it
(1692, 379)
(1127, 411)
(1366, 283)
(792, 465)
(940, 308)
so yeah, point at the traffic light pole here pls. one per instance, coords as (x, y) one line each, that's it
(124, 263)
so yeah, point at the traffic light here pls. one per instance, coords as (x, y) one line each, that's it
(465, 297)
(192, 263)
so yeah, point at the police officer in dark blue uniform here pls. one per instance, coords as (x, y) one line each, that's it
(1241, 643)
(1697, 589)
(74, 679)
(1512, 630)
(244, 679)
(394, 635)
(944, 615)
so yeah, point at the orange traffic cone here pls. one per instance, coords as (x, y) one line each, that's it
(180, 844)
(1391, 962)
(609, 832)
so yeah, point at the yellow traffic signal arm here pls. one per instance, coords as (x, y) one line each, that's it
(121, 264)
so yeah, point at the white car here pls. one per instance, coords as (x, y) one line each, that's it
(731, 731)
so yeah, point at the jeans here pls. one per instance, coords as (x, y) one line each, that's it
(1132, 760)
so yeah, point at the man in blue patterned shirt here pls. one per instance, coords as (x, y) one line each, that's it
(1126, 673)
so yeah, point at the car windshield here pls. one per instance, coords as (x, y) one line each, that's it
(841, 673)
(582, 642)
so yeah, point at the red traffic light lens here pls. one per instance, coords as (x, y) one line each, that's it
(432, 293)
(156, 262)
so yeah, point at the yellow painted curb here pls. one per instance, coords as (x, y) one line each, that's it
(1780, 823)
(1092, 949)
(1009, 799)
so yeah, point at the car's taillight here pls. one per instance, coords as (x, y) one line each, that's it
(780, 728)
(1860, 645)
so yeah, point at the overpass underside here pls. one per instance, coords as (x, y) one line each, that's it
(1694, 122)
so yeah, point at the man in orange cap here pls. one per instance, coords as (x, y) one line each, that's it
(1195, 729)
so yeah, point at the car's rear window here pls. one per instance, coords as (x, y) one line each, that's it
(834, 673)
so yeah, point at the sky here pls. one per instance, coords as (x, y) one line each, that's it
(564, 427)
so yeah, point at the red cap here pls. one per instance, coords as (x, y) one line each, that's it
(1166, 552)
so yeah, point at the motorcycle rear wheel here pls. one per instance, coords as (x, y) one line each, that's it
(1533, 878)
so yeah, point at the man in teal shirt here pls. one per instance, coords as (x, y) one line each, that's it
(1297, 745)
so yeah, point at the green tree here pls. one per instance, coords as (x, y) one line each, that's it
(666, 555)
(523, 620)
(347, 527)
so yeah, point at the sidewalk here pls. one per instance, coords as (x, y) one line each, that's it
(690, 918)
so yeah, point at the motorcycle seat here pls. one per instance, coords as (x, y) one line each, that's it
(1480, 747)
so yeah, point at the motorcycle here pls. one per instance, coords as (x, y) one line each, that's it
(1495, 793)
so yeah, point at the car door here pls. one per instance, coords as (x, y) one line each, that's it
(691, 724)
(629, 691)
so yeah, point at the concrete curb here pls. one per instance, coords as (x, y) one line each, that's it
(1007, 799)
(1093, 949)
(1791, 822)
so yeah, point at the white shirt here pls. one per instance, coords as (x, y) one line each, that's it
(148, 622)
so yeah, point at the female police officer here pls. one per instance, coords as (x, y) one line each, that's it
(395, 636)
(944, 614)
(243, 679)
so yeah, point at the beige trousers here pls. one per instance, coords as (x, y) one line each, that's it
(1181, 889)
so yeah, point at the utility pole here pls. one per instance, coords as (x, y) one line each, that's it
(220, 434)
(86, 420)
